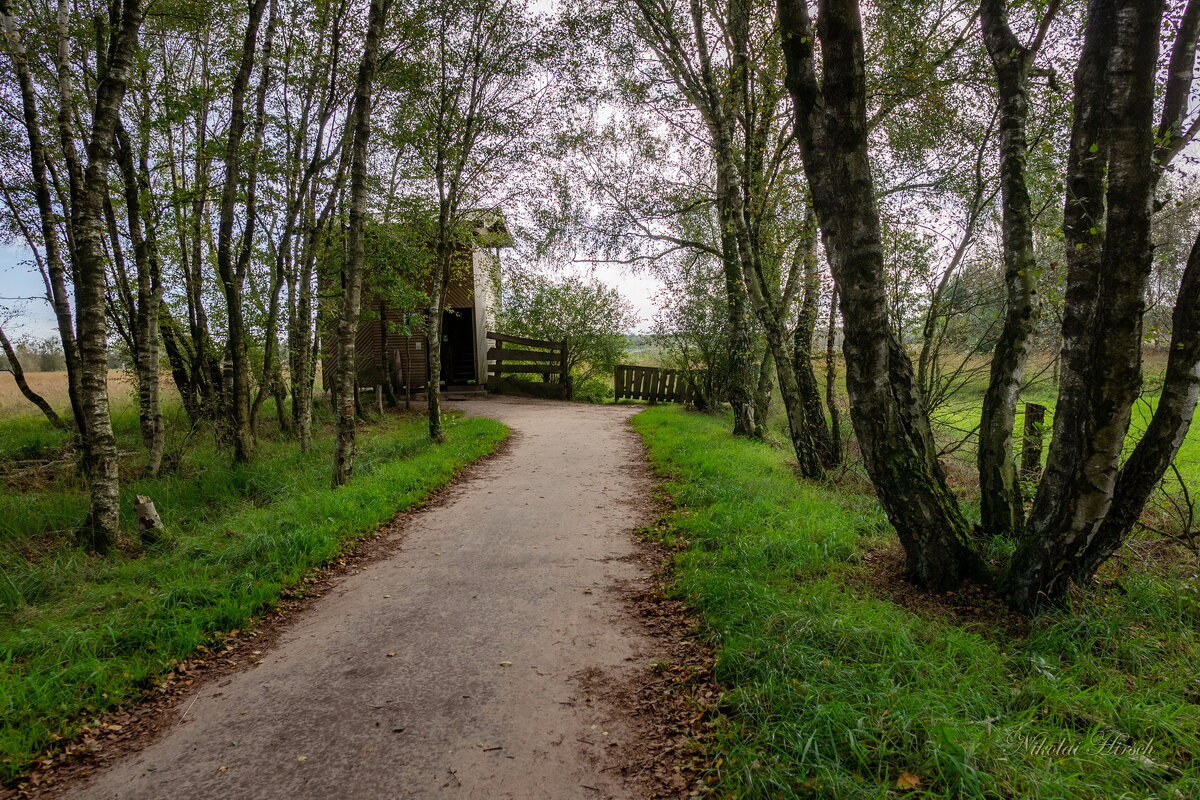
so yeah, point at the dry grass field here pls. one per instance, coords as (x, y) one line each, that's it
(53, 387)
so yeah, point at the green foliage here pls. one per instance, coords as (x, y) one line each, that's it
(593, 390)
(836, 690)
(37, 355)
(398, 264)
(79, 635)
(589, 316)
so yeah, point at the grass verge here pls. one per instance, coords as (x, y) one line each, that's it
(80, 635)
(837, 688)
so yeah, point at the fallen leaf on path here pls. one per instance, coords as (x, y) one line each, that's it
(391, 655)
(302, 758)
(506, 663)
(222, 769)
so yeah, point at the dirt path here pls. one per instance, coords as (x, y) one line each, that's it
(460, 665)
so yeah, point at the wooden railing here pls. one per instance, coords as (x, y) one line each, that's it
(511, 364)
(654, 384)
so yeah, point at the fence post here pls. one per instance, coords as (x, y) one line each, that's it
(565, 374)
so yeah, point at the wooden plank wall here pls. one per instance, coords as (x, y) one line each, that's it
(653, 384)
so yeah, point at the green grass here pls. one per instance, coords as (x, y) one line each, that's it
(961, 413)
(80, 634)
(835, 691)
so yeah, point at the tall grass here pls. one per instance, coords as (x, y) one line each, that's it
(835, 690)
(81, 634)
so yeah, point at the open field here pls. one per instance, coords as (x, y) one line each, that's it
(844, 681)
(956, 419)
(53, 387)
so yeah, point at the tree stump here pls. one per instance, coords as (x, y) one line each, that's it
(150, 524)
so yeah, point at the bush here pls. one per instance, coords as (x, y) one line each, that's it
(588, 316)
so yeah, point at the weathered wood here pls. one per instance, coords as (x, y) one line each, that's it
(149, 523)
(544, 369)
(1032, 437)
(652, 384)
(504, 354)
(504, 337)
(551, 359)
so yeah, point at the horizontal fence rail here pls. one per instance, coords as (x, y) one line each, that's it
(653, 384)
(534, 370)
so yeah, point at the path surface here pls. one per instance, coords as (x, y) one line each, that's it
(500, 609)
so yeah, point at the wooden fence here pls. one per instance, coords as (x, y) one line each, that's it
(511, 363)
(653, 384)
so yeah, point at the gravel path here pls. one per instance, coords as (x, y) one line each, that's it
(465, 664)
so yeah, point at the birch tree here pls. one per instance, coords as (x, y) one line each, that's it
(352, 278)
(84, 200)
(1117, 151)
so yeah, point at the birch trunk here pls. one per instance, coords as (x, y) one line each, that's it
(227, 270)
(886, 406)
(1112, 171)
(100, 531)
(1001, 503)
(347, 328)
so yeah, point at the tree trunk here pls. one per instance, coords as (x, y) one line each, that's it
(1001, 504)
(231, 281)
(150, 526)
(799, 427)
(740, 362)
(145, 311)
(301, 334)
(205, 366)
(762, 397)
(352, 299)
(433, 328)
(835, 416)
(14, 366)
(1167, 430)
(1102, 326)
(100, 531)
(802, 357)
(886, 406)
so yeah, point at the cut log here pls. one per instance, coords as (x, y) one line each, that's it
(150, 524)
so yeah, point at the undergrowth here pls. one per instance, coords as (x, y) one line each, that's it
(835, 690)
(82, 634)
